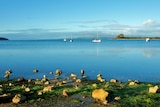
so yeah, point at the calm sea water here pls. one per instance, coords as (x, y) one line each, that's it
(121, 60)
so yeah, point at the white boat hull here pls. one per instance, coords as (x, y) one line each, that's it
(147, 39)
(96, 40)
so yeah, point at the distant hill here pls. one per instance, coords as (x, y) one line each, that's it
(1, 38)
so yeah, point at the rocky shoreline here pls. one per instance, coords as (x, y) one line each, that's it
(75, 92)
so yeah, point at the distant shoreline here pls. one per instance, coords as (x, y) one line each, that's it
(137, 38)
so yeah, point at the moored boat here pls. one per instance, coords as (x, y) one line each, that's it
(96, 40)
(147, 39)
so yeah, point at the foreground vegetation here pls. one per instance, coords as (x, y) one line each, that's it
(79, 93)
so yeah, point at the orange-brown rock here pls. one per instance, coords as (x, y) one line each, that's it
(18, 98)
(47, 89)
(100, 95)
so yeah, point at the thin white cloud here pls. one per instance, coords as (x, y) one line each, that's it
(32, 31)
(116, 26)
(100, 21)
(149, 22)
(150, 28)
(93, 21)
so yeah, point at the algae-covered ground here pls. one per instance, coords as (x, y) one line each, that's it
(121, 94)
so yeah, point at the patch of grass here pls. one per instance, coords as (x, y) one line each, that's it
(139, 100)
(37, 87)
(75, 100)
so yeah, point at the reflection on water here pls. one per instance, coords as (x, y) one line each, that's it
(122, 60)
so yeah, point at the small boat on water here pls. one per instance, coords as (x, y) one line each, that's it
(96, 40)
(71, 40)
(147, 39)
(64, 39)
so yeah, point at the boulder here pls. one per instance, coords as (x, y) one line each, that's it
(113, 81)
(40, 92)
(21, 79)
(35, 70)
(47, 89)
(8, 71)
(27, 89)
(58, 72)
(132, 83)
(153, 89)
(100, 95)
(102, 80)
(78, 81)
(99, 78)
(65, 93)
(73, 76)
(46, 83)
(18, 98)
(136, 81)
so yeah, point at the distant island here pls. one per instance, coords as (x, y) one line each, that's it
(122, 37)
(1, 38)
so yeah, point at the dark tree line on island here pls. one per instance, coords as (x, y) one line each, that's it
(122, 37)
(1, 38)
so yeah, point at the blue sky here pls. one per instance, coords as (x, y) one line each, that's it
(49, 19)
